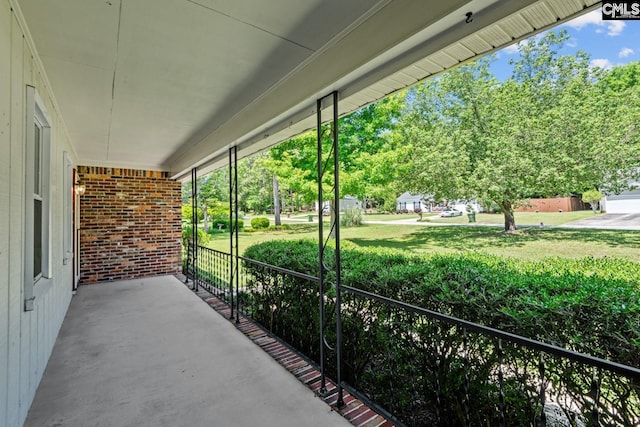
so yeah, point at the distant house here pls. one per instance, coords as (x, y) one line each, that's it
(408, 202)
(465, 206)
(349, 202)
(623, 203)
(345, 203)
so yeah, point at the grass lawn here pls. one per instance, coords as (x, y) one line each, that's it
(522, 218)
(389, 217)
(532, 243)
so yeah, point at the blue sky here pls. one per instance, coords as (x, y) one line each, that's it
(608, 43)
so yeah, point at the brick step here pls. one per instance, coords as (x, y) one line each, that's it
(354, 410)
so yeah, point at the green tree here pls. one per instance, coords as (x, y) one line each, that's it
(368, 151)
(255, 183)
(616, 158)
(592, 197)
(538, 133)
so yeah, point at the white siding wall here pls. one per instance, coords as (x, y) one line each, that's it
(627, 206)
(26, 338)
(626, 202)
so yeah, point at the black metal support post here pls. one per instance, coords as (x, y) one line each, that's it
(323, 165)
(233, 231)
(236, 231)
(194, 226)
(321, 269)
(338, 268)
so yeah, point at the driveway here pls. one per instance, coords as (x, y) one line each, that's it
(609, 222)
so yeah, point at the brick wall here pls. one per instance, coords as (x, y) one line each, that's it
(130, 224)
(556, 204)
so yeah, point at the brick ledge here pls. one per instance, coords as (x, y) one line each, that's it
(354, 410)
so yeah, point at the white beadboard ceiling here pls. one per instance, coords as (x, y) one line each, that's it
(172, 84)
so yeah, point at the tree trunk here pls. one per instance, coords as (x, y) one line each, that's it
(509, 219)
(205, 217)
(276, 200)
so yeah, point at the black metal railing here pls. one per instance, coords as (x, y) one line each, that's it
(427, 368)
(210, 270)
(281, 300)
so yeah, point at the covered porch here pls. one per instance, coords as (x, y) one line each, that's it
(149, 352)
(136, 97)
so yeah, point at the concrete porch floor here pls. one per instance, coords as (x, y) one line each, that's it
(149, 352)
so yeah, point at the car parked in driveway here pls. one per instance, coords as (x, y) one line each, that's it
(450, 212)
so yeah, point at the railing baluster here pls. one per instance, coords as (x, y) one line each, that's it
(238, 291)
(466, 403)
(219, 269)
(542, 419)
(224, 275)
(437, 378)
(594, 393)
(390, 360)
(207, 285)
(412, 367)
(501, 404)
(214, 273)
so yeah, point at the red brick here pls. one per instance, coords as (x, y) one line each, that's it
(122, 234)
(366, 415)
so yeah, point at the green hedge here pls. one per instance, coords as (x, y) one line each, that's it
(588, 305)
(187, 235)
(260, 222)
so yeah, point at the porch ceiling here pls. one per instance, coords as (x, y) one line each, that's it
(171, 84)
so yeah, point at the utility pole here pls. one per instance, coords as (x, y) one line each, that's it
(276, 200)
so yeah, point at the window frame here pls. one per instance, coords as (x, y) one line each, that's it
(37, 190)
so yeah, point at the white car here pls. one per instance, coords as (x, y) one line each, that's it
(450, 212)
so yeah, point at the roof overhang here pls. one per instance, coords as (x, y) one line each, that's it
(171, 85)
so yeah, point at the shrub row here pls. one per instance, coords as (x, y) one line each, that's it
(588, 305)
(259, 222)
(187, 235)
(561, 301)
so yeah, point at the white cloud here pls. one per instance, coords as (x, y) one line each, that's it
(615, 28)
(612, 28)
(594, 17)
(601, 63)
(512, 49)
(625, 52)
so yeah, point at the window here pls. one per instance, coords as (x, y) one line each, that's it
(403, 205)
(37, 200)
(37, 143)
(68, 194)
(416, 206)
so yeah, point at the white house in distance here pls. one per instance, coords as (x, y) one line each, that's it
(410, 202)
(624, 203)
(464, 206)
(345, 203)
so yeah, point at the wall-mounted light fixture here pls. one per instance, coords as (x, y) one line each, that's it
(80, 188)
